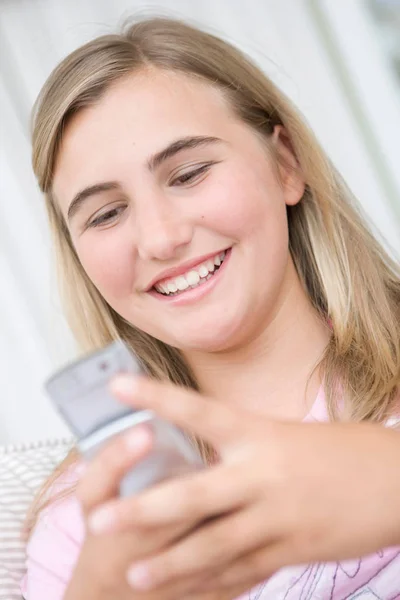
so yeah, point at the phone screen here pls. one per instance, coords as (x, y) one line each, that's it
(80, 390)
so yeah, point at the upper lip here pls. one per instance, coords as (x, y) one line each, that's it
(180, 269)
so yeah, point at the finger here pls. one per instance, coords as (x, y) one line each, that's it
(190, 590)
(105, 471)
(190, 499)
(252, 568)
(208, 419)
(211, 547)
(216, 593)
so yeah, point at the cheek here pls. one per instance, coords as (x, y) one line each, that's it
(245, 202)
(108, 260)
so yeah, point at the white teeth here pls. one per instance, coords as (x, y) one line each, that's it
(202, 271)
(210, 265)
(164, 288)
(192, 277)
(181, 283)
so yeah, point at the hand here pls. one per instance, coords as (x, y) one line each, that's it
(104, 559)
(283, 493)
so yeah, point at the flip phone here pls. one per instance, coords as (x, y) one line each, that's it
(80, 394)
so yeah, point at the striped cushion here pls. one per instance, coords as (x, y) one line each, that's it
(22, 470)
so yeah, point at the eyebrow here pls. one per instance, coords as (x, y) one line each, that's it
(92, 190)
(186, 143)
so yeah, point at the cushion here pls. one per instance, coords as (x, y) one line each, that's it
(23, 469)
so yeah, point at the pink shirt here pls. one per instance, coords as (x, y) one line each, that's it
(56, 541)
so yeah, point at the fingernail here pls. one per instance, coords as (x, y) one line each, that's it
(139, 577)
(124, 385)
(80, 468)
(102, 520)
(137, 438)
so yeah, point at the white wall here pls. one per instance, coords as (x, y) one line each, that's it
(285, 37)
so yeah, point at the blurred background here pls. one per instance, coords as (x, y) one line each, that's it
(340, 63)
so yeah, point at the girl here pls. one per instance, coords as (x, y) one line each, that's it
(196, 217)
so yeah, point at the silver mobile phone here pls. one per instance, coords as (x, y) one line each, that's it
(80, 394)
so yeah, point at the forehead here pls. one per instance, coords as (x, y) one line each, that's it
(136, 117)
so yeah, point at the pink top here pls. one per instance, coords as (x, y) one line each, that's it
(54, 548)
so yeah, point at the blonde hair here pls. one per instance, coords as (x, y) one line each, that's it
(349, 277)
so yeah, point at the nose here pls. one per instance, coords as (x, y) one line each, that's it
(161, 232)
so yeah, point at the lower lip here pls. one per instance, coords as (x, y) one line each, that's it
(194, 294)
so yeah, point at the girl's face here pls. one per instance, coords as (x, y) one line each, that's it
(176, 211)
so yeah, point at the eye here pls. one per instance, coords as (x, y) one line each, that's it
(191, 176)
(106, 217)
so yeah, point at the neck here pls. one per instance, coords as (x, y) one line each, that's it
(273, 373)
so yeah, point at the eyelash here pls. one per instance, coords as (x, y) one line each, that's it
(183, 179)
(189, 176)
(101, 219)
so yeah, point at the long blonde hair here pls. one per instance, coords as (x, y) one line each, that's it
(349, 277)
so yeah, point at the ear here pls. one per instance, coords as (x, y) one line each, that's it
(290, 174)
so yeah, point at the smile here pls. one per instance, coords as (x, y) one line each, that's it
(195, 283)
(192, 278)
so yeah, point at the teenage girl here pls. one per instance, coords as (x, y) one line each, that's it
(196, 217)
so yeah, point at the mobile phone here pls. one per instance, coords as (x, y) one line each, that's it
(80, 393)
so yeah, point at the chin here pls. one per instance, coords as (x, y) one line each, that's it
(213, 337)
